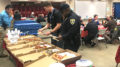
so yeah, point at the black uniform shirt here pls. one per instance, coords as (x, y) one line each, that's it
(111, 25)
(70, 26)
(54, 18)
(92, 28)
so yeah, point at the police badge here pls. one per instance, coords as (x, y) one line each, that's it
(72, 21)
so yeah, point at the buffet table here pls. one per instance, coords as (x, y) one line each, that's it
(27, 53)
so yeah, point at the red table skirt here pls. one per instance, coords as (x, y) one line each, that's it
(117, 58)
(84, 34)
(19, 64)
(71, 65)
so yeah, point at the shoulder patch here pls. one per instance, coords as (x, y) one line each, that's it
(72, 21)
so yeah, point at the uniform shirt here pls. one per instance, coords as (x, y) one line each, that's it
(92, 28)
(0, 20)
(111, 25)
(54, 17)
(71, 26)
(6, 19)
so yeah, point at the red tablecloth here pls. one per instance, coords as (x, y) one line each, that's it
(31, 18)
(117, 58)
(22, 19)
(84, 34)
(101, 27)
(71, 65)
(19, 64)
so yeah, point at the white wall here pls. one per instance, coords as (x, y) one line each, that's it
(109, 7)
(40, 0)
(3, 3)
(88, 9)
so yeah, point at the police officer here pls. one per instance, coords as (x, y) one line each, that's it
(70, 29)
(54, 19)
(92, 29)
(111, 25)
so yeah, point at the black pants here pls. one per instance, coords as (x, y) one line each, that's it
(2, 34)
(72, 44)
(88, 38)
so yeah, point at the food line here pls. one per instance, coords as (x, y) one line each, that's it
(32, 51)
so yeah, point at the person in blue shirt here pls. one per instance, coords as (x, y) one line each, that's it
(0, 20)
(5, 22)
(7, 17)
(96, 19)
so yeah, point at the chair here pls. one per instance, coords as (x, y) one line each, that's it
(81, 40)
(81, 44)
(94, 40)
(101, 37)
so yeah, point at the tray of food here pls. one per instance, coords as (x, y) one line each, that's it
(50, 52)
(26, 37)
(25, 45)
(19, 42)
(41, 47)
(23, 39)
(44, 62)
(22, 52)
(31, 58)
(33, 39)
(34, 43)
(34, 57)
(17, 47)
(66, 57)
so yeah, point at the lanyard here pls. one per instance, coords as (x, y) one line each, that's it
(51, 16)
(65, 19)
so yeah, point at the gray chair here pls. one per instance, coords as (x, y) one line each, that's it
(101, 32)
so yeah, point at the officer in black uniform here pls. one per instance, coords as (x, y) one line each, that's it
(70, 29)
(54, 19)
(92, 29)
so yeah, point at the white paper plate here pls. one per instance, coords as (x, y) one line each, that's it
(57, 65)
(83, 63)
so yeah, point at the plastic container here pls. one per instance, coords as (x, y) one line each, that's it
(84, 63)
(57, 65)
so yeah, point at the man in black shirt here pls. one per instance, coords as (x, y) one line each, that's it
(54, 18)
(92, 29)
(17, 15)
(40, 18)
(70, 29)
